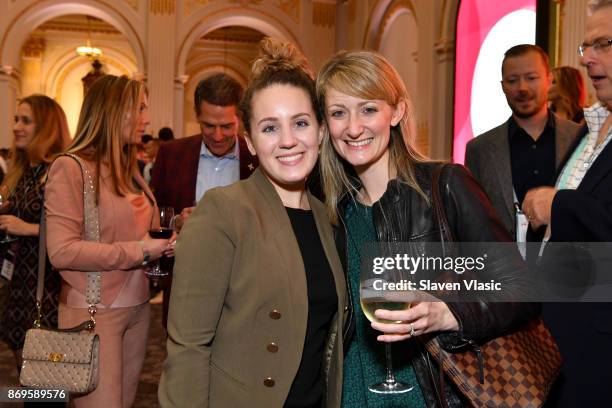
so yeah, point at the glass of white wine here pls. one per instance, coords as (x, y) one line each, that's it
(372, 300)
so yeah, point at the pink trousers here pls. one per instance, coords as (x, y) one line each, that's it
(123, 338)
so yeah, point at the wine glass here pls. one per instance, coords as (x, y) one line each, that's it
(374, 297)
(5, 207)
(165, 230)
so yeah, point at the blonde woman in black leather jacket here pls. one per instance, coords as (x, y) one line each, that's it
(378, 188)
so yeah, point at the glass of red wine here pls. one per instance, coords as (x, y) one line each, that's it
(165, 230)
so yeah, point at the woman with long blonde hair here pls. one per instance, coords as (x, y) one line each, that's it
(567, 95)
(378, 189)
(113, 118)
(40, 132)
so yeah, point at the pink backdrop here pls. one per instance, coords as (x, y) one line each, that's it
(475, 20)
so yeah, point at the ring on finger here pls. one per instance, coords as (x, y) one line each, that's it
(412, 331)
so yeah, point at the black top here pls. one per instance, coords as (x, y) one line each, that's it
(308, 384)
(532, 162)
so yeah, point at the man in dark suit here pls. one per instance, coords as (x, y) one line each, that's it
(579, 209)
(186, 168)
(524, 151)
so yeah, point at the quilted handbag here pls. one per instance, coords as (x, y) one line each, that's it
(65, 358)
(512, 371)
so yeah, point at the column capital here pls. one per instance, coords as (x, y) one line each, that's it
(180, 80)
(8, 71)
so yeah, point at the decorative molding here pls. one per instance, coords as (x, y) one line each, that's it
(67, 57)
(162, 6)
(444, 46)
(396, 7)
(246, 3)
(269, 21)
(10, 71)
(75, 63)
(234, 35)
(180, 81)
(133, 3)
(79, 24)
(323, 14)
(191, 5)
(289, 7)
(34, 47)
(106, 8)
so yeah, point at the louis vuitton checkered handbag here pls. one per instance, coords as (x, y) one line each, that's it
(65, 359)
(512, 371)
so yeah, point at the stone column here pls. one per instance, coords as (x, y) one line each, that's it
(573, 27)
(179, 108)
(160, 62)
(9, 91)
(441, 130)
(31, 66)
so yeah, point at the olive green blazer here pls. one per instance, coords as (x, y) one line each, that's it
(239, 304)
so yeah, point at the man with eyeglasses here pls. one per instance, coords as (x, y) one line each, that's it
(579, 209)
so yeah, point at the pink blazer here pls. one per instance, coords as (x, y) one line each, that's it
(118, 255)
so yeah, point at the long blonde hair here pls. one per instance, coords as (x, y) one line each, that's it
(366, 75)
(109, 103)
(571, 94)
(51, 136)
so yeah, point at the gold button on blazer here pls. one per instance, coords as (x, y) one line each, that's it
(240, 286)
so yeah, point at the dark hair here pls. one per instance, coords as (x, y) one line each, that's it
(146, 139)
(280, 63)
(165, 134)
(218, 89)
(522, 49)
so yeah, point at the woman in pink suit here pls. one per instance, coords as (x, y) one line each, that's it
(112, 120)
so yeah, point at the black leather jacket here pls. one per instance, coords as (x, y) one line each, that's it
(402, 215)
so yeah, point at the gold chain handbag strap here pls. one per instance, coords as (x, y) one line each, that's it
(91, 221)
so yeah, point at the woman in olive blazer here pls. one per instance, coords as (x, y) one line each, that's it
(243, 298)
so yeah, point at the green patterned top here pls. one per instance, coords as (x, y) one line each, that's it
(364, 363)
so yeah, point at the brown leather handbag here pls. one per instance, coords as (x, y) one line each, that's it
(516, 370)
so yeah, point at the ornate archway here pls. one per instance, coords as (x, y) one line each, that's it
(37, 13)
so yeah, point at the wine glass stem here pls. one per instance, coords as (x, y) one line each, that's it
(389, 366)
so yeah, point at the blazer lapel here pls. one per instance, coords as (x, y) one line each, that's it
(193, 161)
(563, 140)
(599, 169)
(288, 250)
(500, 156)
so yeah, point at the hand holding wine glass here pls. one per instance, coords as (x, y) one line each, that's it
(164, 231)
(423, 317)
(372, 299)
